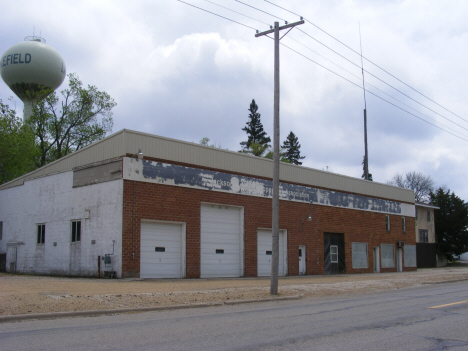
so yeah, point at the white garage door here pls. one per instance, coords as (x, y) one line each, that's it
(221, 241)
(264, 253)
(162, 250)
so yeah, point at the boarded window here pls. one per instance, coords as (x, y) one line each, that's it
(359, 255)
(410, 255)
(388, 255)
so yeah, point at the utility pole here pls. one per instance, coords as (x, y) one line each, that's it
(276, 135)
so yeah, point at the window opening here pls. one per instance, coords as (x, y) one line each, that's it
(75, 231)
(423, 236)
(428, 216)
(41, 233)
(334, 253)
(387, 222)
(160, 249)
(219, 251)
(403, 224)
(1, 230)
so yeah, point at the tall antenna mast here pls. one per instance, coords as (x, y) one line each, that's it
(366, 157)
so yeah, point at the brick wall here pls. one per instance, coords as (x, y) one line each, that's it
(151, 201)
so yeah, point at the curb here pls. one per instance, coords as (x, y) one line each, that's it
(447, 281)
(56, 315)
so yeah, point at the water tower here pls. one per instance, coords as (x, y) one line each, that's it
(30, 67)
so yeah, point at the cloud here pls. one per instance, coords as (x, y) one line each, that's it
(179, 72)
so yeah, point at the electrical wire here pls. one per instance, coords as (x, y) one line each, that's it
(360, 67)
(243, 3)
(335, 72)
(217, 15)
(239, 13)
(377, 96)
(381, 80)
(368, 60)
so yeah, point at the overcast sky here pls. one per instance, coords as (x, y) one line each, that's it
(179, 72)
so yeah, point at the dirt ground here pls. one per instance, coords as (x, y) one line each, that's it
(25, 294)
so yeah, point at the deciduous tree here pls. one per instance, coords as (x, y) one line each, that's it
(80, 117)
(421, 184)
(18, 151)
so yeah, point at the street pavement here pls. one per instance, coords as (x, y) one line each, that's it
(431, 317)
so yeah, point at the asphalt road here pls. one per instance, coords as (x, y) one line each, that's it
(407, 319)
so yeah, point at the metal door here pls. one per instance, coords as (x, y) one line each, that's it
(376, 260)
(334, 253)
(399, 255)
(302, 260)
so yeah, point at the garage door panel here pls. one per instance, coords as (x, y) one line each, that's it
(157, 264)
(220, 230)
(264, 253)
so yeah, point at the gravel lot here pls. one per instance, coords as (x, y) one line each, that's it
(24, 294)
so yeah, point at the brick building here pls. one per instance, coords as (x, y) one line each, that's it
(184, 210)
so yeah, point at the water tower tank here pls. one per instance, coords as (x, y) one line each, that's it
(32, 66)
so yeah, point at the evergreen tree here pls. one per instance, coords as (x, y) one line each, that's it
(451, 223)
(364, 171)
(255, 133)
(291, 150)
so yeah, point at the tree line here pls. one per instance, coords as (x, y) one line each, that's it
(258, 143)
(451, 219)
(61, 124)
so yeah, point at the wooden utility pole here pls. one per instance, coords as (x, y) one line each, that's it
(276, 136)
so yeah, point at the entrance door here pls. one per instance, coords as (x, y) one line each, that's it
(399, 255)
(302, 260)
(11, 258)
(334, 254)
(376, 260)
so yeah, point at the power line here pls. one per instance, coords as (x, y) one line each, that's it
(377, 96)
(381, 80)
(337, 73)
(239, 13)
(369, 61)
(373, 86)
(217, 15)
(243, 3)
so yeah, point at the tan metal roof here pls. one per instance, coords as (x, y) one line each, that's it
(129, 142)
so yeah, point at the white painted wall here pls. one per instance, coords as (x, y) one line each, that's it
(52, 200)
